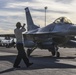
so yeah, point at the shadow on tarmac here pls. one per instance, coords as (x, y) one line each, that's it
(39, 63)
(7, 70)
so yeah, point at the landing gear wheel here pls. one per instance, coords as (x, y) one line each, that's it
(58, 54)
(29, 52)
(53, 53)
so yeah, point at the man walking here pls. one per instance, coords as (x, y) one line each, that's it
(20, 47)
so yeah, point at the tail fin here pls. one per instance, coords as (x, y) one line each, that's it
(30, 24)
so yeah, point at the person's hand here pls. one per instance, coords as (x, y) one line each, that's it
(23, 25)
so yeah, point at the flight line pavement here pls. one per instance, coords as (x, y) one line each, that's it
(44, 63)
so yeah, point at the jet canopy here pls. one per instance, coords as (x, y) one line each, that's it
(62, 20)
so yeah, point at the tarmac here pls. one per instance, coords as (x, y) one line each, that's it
(44, 63)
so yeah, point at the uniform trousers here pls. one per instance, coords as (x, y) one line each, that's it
(21, 55)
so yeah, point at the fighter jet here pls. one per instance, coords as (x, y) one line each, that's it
(60, 33)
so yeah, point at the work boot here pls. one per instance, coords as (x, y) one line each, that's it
(29, 64)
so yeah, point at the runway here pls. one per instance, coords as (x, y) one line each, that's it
(44, 63)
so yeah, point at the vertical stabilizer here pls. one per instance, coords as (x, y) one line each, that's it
(30, 24)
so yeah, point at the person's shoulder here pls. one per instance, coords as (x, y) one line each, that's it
(15, 29)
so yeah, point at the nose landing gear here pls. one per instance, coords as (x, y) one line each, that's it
(55, 53)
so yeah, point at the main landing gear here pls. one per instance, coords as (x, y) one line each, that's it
(55, 53)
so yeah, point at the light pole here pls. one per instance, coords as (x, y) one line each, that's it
(45, 14)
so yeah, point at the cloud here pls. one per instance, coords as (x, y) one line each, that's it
(51, 11)
(65, 1)
(3, 31)
(12, 11)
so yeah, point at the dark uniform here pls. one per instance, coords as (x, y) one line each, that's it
(20, 47)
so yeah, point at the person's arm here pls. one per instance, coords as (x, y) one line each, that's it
(23, 25)
(23, 29)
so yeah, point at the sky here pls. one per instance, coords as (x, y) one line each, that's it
(12, 11)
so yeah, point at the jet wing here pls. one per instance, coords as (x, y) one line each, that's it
(10, 35)
(51, 34)
(7, 35)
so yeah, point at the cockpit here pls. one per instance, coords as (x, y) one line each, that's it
(62, 20)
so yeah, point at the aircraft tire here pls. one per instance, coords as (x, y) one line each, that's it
(28, 52)
(53, 53)
(58, 54)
